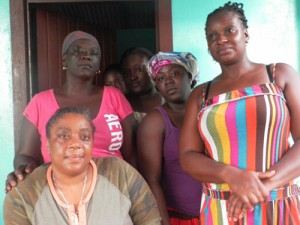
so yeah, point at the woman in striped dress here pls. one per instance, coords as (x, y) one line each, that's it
(235, 134)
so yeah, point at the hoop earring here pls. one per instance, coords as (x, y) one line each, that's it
(65, 68)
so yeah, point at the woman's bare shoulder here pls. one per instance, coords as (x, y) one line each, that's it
(284, 74)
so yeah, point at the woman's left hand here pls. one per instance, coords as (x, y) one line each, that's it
(236, 207)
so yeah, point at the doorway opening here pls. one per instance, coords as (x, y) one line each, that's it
(38, 28)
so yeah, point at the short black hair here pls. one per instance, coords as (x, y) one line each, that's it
(136, 51)
(114, 67)
(111, 68)
(230, 7)
(63, 111)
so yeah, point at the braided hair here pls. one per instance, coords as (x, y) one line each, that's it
(61, 112)
(230, 7)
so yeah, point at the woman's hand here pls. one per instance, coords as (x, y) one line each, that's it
(236, 206)
(248, 185)
(18, 174)
(27, 156)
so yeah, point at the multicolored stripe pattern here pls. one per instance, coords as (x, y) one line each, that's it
(248, 128)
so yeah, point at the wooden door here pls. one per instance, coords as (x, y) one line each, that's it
(51, 29)
(33, 71)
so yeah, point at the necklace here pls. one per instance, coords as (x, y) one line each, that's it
(75, 217)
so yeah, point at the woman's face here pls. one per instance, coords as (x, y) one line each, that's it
(70, 144)
(82, 58)
(226, 37)
(136, 75)
(116, 80)
(173, 82)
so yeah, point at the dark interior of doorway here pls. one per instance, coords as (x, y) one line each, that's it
(24, 74)
(117, 25)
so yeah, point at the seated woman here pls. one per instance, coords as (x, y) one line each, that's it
(111, 112)
(112, 76)
(76, 189)
(177, 193)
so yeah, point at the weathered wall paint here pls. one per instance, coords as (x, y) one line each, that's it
(6, 104)
(272, 29)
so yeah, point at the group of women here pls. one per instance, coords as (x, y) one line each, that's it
(229, 136)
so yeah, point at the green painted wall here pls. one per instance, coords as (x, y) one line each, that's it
(135, 38)
(272, 28)
(6, 104)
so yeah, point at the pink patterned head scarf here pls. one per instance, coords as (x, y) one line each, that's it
(185, 59)
(77, 35)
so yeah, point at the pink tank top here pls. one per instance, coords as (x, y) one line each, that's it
(108, 135)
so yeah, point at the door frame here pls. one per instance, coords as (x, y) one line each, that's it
(21, 49)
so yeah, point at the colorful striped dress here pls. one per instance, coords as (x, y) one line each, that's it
(249, 129)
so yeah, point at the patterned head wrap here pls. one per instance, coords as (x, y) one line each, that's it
(185, 59)
(75, 36)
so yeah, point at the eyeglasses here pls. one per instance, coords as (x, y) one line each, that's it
(76, 51)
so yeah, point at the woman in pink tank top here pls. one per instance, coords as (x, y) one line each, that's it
(112, 115)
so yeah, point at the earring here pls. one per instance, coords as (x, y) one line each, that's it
(98, 72)
(65, 68)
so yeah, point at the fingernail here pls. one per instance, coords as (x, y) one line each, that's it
(235, 219)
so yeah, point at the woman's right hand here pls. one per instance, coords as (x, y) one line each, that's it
(236, 207)
(19, 174)
(248, 186)
(28, 155)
